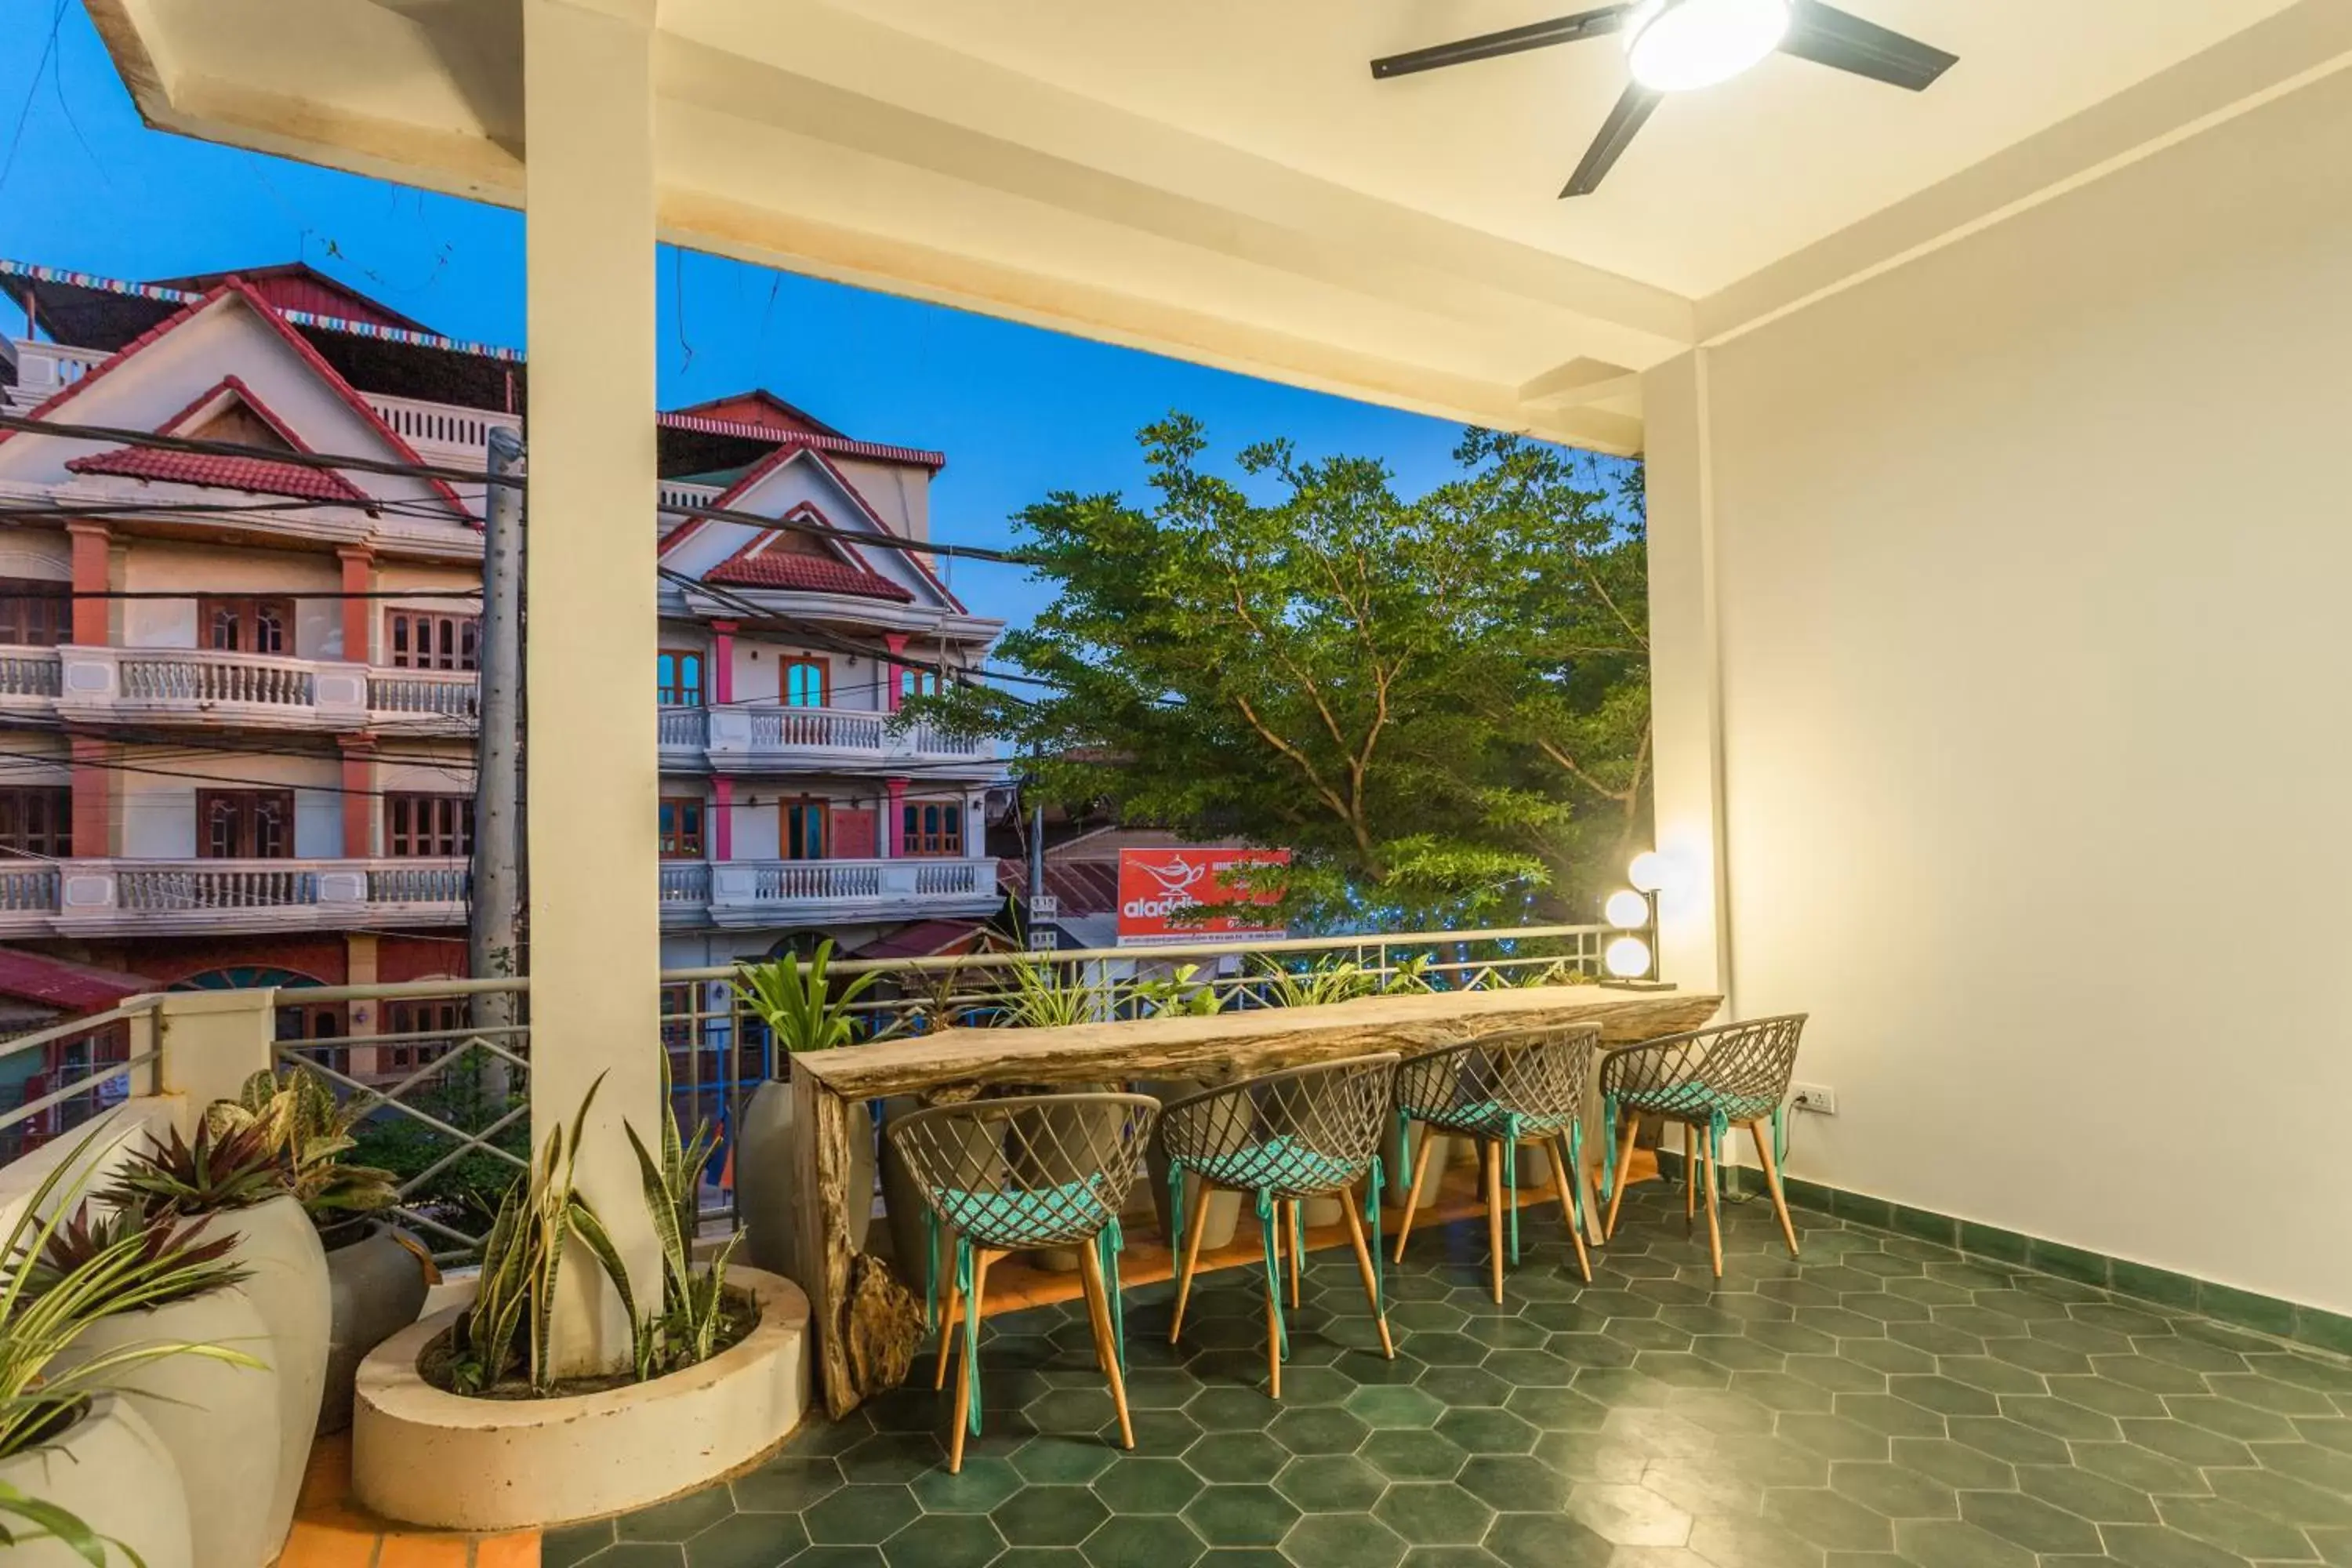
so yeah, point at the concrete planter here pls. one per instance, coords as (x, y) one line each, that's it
(375, 1289)
(424, 1456)
(278, 1248)
(902, 1197)
(111, 1471)
(766, 1185)
(219, 1422)
(1397, 1171)
(1224, 1204)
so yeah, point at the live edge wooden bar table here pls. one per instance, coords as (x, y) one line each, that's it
(955, 1063)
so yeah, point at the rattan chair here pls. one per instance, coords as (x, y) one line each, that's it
(1306, 1132)
(1503, 1089)
(1709, 1082)
(1001, 1175)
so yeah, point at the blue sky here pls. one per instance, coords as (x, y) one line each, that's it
(1019, 412)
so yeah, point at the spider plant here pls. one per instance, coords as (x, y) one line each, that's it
(1412, 977)
(40, 1521)
(222, 1168)
(693, 1305)
(520, 1261)
(1043, 999)
(310, 1130)
(42, 1311)
(799, 1003)
(1319, 984)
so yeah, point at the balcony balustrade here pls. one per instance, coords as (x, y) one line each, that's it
(96, 897)
(781, 738)
(738, 893)
(44, 370)
(240, 690)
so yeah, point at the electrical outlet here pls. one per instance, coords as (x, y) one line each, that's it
(1819, 1099)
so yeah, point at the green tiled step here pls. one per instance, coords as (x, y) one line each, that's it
(2224, 1303)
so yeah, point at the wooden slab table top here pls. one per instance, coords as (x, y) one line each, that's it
(1222, 1046)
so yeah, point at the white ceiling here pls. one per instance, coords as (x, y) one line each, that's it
(1222, 180)
(1719, 184)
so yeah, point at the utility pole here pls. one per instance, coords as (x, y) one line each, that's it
(492, 945)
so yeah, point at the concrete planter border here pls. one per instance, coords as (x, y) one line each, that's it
(426, 1457)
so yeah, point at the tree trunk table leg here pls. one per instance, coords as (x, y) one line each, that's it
(823, 1160)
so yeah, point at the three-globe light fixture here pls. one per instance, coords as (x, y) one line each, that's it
(1631, 909)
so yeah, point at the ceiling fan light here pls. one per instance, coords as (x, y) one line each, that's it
(1674, 46)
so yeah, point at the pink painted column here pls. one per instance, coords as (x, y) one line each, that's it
(93, 791)
(890, 843)
(722, 663)
(896, 643)
(723, 816)
(90, 543)
(359, 613)
(359, 795)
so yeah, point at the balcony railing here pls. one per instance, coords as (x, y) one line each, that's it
(444, 425)
(31, 673)
(140, 896)
(752, 738)
(768, 892)
(184, 685)
(43, 370)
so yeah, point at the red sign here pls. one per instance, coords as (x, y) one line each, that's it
(1156, 887)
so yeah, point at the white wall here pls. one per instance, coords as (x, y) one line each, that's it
(2032, 567)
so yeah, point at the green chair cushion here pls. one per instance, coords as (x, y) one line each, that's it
(1025, 1218)
(1283, 1163)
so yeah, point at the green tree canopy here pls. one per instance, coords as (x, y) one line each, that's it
(1440, 705)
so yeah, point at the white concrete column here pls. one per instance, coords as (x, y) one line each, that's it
(596, 934)
(1686, 678)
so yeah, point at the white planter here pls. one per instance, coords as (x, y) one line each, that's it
(219, 1422)
(1397, 1171)
(111, 1471)
(279, 1251)
(767, 1186)
(426, 1457)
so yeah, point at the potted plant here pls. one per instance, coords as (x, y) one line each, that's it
(1182, 994)
(233, 1173)
(218, 1419)
(81, 1473)
(805, 1010)
(377, 1277)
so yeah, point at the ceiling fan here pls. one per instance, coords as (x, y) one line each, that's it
(1676, 45)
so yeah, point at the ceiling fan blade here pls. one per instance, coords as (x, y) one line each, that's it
(1487, 45)
(1632, 111)
(1827, 36)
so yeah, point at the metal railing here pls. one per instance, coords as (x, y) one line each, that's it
(65, 1075)
(445, 1101)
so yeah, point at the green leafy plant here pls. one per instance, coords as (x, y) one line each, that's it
(800, 1003)
(1319, 984)
(693, 1304)
(1044, 998)
(49, 1522)
(522, 1259)
(222, 1168)
(1410, 978)
(311, 1130)
(42, 1311)
(1179, 994)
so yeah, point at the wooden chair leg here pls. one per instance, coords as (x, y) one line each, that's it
(1297, 1246)
(1762, 1133)
(1196, 1226)
(1624, 1176)
(948, 1321)
(1494, 1214)
(1273, 1232)
(980, 1262)
(1559, 1177)
(1105, 1337)
(1413, 1199)
(1714, 1231)
(1690, 1173)
(1371, 1279)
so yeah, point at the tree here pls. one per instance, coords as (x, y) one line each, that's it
(1439, 705)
